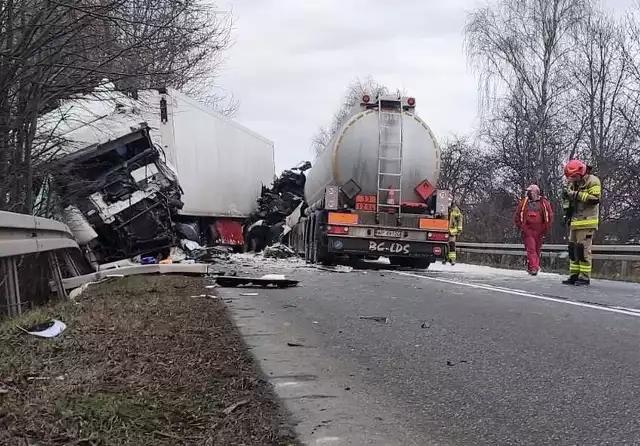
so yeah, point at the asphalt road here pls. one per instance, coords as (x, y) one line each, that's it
(469, 355)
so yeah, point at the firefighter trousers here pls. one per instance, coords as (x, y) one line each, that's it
(452, 248)
(580, 242)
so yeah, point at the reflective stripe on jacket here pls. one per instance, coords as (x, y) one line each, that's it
(586, 205)
(455, 221)
(547, 213)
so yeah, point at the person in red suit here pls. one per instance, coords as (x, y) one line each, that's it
(533, 217)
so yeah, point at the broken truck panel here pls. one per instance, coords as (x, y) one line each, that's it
(268, 223)
(124, 191)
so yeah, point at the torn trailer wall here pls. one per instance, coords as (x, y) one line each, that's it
(268, 223)
(119, 198)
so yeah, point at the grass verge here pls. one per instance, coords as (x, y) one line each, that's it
(142, 362)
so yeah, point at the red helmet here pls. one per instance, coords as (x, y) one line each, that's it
(575, 168)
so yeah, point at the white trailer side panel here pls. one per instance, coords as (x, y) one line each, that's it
(221, 164)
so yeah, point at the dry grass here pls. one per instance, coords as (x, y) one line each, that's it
(142, 362)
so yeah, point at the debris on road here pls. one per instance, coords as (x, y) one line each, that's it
(278, 251)
(336, 268)
(380, 319)
(232, 282)
(425, 325)
(249, 294)
(295, 344)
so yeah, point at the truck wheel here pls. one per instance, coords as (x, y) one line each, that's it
(401, 261)
(421, 263)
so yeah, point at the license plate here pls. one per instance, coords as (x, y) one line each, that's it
(387, 233)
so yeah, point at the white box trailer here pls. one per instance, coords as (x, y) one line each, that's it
(221, 165)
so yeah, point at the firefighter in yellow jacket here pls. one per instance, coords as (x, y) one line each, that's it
(455, 229)
(581, 205)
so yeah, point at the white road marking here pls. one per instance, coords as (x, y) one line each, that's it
(287, 384)
(635, 310)
(522, 293)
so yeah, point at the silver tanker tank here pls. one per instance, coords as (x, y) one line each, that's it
(352, 153)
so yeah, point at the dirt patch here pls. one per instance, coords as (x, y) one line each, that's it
(142, 362)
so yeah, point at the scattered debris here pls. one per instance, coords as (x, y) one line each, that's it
(197, 269)
(278, 251)
(249, 294)
(294, 344)
(273, 277)
(425, 325)
(230, 282)
(336, 269)
(76, 292)
(289, 306)
(450, 364)
(234, 406)
(49, 329)
(380, 319)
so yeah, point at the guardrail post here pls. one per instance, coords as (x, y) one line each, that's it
(71, 265)
(56, 274)
(623, 269)
(11, 286)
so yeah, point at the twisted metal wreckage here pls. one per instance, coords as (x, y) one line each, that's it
(121, 196)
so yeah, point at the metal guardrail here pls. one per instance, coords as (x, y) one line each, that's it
(602, 252)
(609, 253)
(22, 235)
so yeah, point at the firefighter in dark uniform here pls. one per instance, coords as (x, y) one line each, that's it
(581, 205)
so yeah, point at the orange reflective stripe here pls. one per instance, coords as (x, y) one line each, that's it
(524, 205)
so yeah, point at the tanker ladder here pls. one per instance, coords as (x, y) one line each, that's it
(390, 139)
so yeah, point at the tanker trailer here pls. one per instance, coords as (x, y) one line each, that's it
(371, 191)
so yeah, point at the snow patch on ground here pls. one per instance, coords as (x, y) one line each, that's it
(482, 270)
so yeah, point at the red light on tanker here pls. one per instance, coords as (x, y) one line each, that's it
(366, 98)
(411, 101)
(437, 250)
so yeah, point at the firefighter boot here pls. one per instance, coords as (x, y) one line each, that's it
(582, 282)
(572, 280)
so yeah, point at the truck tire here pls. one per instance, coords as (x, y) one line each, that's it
(401, 261)
(421, 263)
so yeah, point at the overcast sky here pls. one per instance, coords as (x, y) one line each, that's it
(293, 59)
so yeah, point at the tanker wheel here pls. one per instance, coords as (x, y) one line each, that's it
(314, 252)
(421, 263)
(401, 261)
(306, 241)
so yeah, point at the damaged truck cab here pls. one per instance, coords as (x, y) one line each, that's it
(372, 193)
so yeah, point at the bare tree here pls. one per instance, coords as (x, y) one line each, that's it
(464, 168)
(53, 50)
(521, 48)
(606, 104)
(353, 96)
